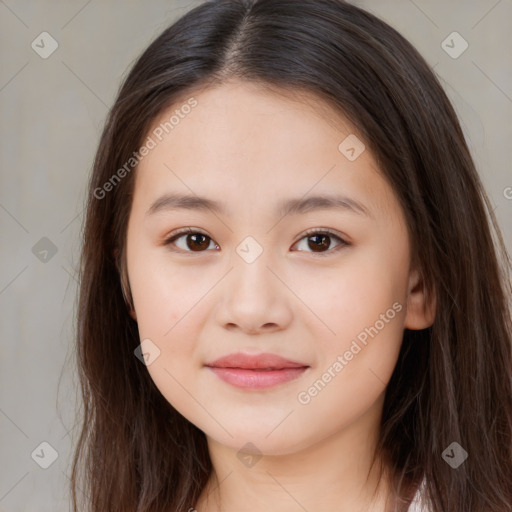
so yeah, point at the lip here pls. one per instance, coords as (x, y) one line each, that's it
(255, 362)
(256, 371)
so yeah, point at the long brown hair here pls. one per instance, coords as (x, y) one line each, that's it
(452, 382)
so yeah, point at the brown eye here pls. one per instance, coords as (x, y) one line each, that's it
(319, 242)
(197, 241)
(194, 241)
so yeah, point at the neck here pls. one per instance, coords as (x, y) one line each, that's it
(335, 474)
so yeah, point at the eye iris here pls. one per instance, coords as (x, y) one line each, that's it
(323, 245)
(197, 246)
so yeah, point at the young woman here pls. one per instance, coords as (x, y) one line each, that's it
(294, 293)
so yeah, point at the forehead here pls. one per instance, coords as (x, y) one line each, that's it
(244, 140)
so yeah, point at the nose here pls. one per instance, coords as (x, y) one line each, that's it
(254, 298)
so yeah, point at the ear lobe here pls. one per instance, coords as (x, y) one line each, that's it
(421, 310)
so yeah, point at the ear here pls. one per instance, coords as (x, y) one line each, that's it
(133, 314)
(421, 310)
(131, 310)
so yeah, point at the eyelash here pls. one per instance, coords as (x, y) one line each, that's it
(315, 231)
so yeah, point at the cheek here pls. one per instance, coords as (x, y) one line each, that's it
(163, 294)
(167, 303)
(351, 297)
(363, 305)
(355, 366)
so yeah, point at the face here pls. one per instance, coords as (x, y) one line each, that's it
(327, 286)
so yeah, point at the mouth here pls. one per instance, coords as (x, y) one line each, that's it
(256, 371)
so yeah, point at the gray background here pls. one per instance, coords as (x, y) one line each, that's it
(52, 111)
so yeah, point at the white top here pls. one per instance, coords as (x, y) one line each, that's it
(417, 504)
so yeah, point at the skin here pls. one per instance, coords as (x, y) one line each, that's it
(252, 147)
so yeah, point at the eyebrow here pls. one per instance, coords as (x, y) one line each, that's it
(285, 207)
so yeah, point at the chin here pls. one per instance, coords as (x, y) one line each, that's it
(257, 442)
